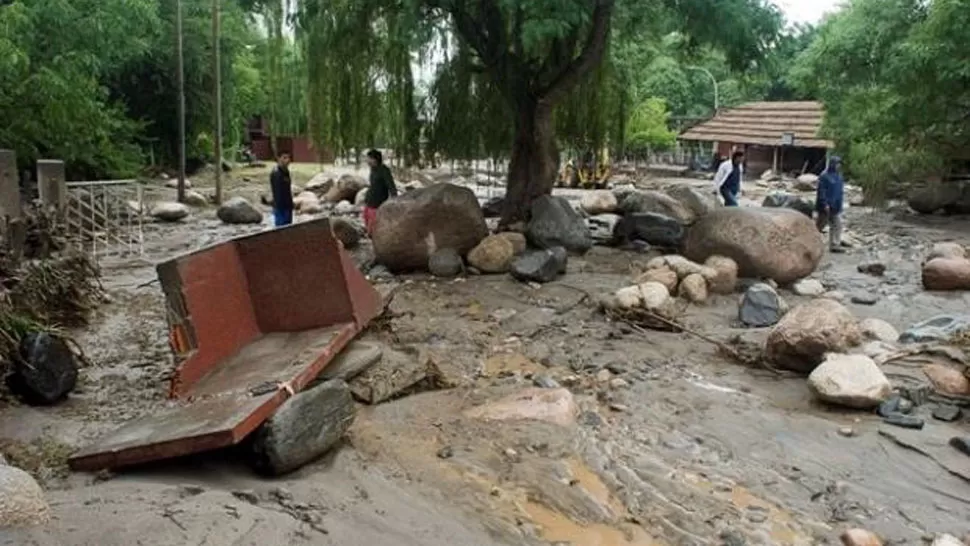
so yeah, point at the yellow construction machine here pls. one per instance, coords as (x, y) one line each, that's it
(590, 172)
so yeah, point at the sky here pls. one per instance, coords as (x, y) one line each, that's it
(806, 11)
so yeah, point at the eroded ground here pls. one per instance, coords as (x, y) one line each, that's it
(688, 448)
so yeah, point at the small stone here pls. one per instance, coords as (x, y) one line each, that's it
(879, 330)
(170, 212)
(663, 275)
(190, 490)
(875, 269)
(947, 413)
(893, 405)
(603, 376)
(655, 295)
(281, 494)
(761, 306)
(246, 495)
(848, 432)
(590, 419)
(864, 299)
(835, 295)
(854, 381)
(904, 421)
(446, 452)
(619, 383)
(239, 211)
(961, 444)
(619, 408)
(944, 539)
(694, 288)
(512, 455)
(808, 287)
(545, 382)
(445, 263)
(629, 298)
(618, 368)
(860, 537)
(947, 380)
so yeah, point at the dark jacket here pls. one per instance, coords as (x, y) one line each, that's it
(279, 182)
(381, 187)
(831, 192)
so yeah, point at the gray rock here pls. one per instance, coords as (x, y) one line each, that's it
(602, 228)
(761, 306)
(853, 381)
(493, 207)
(789, 201)
(546, 382)
(939, 328)
(864, 299)
(195, 199)
(446, 263)
(656, 229)
(45, 372)
(170, 212)
(355, 359)
(22, 501)
(555, 223)
(304, 428)
(698, 203)
(239, 211)
(540, 265)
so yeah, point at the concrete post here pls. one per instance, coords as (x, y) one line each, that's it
(51, 183)
(9, 186)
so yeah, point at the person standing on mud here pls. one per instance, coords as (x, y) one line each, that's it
(381, 189)
(727, 181)
(282, 188)
(828, 203)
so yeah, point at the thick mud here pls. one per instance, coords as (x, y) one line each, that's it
(687, 448)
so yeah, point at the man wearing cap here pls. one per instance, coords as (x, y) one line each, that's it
(829, 201)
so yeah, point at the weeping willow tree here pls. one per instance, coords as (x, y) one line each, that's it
(515, 63)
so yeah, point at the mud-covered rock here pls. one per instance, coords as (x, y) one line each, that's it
(946, 274)
(346, 232)
(411, 227)
(721, 274)
(879, 330)
(170, 212)
(554, 223)
(46, 371)
(239, 211)
(493, 255)
(22, 501)
(445, 263)
(778, 244)
(304, 428)
(761, 306)
(854, 381)
(693, 288)
(656, 229)
(599, 202)
(540, 265)
(657, 203)
(800, 341)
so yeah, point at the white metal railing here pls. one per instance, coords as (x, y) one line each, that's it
(104, 217)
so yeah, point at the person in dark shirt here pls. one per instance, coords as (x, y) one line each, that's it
(727, 181)
(282, 187)
(381, 188)
(829, 200)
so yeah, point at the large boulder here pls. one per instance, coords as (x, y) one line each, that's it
(800, 341)
(951, 197)
(170, 212)
(45, 372)
(721, 274)
(947, 250)
(445, 263)
(656, 229)
(345, 189)
(657, 203)
(319, 184)
(411, 227)
(493, 207)
(554, 223)
(696, 202)
(540, 265)
(493, 255)
(853, 381)
(599, 202)
(306, 200)
(239, 211)
(946, 274)
(777, 244)
(22, 501)
(806, 182)
(789, 201)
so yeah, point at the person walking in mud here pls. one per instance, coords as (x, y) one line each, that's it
(727, 180)
(829, 203)
(381, 189)
(282, 188)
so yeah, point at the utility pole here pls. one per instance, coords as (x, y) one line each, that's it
(218, 97)
(181, 105)
(717, 97)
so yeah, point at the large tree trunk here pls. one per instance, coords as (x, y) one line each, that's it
(534, 163)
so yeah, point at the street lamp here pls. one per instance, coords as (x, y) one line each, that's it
(717, 97)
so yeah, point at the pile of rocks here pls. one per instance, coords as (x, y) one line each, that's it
(657, 218)
(675, 275)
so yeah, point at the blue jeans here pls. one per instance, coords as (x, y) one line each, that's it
(730, 196)
(282, 217)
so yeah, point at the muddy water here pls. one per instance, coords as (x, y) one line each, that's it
(555, 527)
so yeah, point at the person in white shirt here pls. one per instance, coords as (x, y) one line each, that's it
(727, 181)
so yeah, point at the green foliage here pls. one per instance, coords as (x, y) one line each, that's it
(647, 128)
(894, 77)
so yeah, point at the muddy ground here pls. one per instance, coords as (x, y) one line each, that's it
(689, 448)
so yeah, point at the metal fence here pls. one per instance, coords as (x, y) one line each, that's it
(104, 217)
